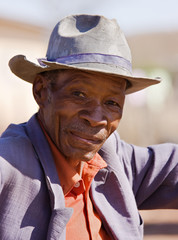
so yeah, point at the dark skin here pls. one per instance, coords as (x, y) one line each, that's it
(80, 111)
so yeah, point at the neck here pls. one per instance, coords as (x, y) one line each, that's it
(77, 165)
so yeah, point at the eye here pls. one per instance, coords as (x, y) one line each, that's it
(78, 94)
(112, 103)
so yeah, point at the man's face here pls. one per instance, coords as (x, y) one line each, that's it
(82, 111)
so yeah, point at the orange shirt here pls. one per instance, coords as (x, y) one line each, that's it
(85, 223)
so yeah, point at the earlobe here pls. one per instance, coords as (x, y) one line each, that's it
(40, 90)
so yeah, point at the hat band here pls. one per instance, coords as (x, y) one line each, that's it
(117, 61)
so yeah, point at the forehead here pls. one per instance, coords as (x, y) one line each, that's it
(70, 77)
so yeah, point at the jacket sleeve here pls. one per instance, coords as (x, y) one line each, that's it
(152, 172)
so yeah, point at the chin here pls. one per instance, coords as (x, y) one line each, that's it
(82, 157)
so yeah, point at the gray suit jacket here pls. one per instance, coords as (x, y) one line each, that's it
(32, 201)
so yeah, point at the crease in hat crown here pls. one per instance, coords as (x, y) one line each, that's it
(85, 42)
(89, 39)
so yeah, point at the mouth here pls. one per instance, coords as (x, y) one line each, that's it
(87, 139)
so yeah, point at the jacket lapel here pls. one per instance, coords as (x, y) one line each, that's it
(60, 215)
(114, 200)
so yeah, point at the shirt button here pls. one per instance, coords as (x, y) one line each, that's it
(77, 185)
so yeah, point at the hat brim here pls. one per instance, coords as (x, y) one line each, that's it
(27, 71)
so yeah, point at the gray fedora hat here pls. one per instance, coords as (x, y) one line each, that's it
(89, 43)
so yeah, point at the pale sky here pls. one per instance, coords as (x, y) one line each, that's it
(134, 16)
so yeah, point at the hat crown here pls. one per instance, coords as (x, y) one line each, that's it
(82, 34)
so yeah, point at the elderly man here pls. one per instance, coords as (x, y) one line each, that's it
(65, 174)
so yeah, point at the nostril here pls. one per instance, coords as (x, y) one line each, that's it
(86, 121)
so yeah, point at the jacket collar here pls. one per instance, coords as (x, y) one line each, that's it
(113, 197)
(60, 215)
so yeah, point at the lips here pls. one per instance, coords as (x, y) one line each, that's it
(85, 138)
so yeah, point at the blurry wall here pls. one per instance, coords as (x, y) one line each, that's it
(151, 115)
(16, 101)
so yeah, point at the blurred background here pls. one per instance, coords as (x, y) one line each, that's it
(151, 28)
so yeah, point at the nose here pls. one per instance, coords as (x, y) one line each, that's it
(94, 116)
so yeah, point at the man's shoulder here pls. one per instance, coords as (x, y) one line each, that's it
(15, 141)
(13, 134)
(111, 149)
(114, 145)
(18, 132)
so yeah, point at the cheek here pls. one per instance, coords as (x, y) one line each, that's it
(66, 108)
(61, 124)
(114, 125)
(52, 123)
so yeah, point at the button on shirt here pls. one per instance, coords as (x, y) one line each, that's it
(85, 223)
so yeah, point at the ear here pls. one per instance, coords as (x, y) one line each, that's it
(40, 90)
